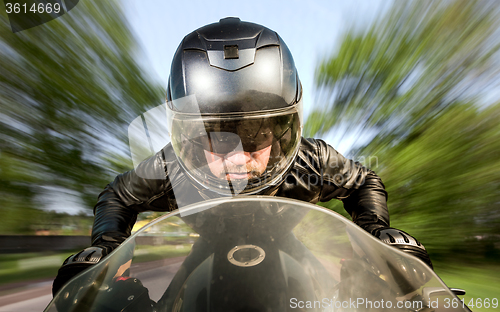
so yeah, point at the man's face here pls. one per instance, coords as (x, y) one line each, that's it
(238, 165)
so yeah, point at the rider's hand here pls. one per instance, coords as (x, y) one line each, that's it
(407, 279)
(78, 262)
(126, 294)
(121, 294)
(404, 242)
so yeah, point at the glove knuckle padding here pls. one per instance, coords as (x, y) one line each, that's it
(405, 242)
(91, 255)
(396, 237)
(77, 263)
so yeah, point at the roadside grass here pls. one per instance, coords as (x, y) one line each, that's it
(482, 284)
(30, 266)
(27, 275)
(147, 254)
(36, 266)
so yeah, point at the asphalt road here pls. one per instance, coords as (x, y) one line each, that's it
(29, 298)
(155, 276)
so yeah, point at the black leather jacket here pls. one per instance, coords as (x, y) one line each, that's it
(318, 174)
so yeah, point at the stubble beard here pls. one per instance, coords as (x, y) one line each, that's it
(246, 171)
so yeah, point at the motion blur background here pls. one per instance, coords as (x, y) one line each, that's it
(408, 88)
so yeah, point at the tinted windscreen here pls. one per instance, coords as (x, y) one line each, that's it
(255, 254)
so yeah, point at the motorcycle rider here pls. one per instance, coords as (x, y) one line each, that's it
(234, 115)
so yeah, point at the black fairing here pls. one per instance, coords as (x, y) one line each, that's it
(259, 73)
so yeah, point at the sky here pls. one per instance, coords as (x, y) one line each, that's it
(311, 29)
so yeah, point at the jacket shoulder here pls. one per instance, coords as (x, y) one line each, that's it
(311, 154)
(332, 166)
(149, 180)
(309, 144)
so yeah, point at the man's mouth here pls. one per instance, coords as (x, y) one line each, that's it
(237, 175)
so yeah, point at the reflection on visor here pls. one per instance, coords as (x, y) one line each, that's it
(227, 142)
(195, 137)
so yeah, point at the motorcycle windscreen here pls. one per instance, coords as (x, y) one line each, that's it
(255, 254)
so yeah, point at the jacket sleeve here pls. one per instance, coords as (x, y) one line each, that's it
(359, 188)
(130, 193)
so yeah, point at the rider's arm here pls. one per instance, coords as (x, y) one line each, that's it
(147, 187)
(359, 188)
(135, 191)
(364, 198)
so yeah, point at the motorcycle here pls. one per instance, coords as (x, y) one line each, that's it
(255, 253)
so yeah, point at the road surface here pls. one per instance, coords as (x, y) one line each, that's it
(155, 276)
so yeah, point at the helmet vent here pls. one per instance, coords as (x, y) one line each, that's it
(230, 20)
(231, 52)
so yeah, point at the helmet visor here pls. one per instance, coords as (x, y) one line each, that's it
(233, 153)
(249, 135)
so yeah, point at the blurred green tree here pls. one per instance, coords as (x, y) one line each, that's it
(415, 83)
(68, 90)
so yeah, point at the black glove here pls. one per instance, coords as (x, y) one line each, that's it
(407, 279)
(122, 294)
(80, 261)
(126, 294)
(360, 279)
(404, 242)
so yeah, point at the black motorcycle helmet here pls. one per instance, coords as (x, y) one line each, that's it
(233, 87)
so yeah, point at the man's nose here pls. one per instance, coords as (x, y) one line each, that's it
(239, 158)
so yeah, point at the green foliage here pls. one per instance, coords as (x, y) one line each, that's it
(409, 66)
(443, 184)
(416, 81)
(68, 90)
